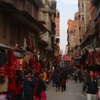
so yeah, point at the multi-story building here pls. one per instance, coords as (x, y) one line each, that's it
(57, 21)
(73, 36)
(91, 39)
(19, 23)
(84, 16)
(29, 21)
(44, 18)
(57, 30)
(27, 26)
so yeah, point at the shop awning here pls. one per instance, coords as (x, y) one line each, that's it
(28, 53)
(5, 46)
(17, 54)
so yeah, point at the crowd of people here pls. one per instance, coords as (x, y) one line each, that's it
(31, 85)
(90, 78)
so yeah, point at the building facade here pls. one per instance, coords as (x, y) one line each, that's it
(73, 36)
(84, 16)
(91, 39)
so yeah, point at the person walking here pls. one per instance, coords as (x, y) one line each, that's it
(80, 75)
(40, 89)
(76, 75)
(92, 87)
(63, 80)
(57, 78)
(98, 78)
(29, 83)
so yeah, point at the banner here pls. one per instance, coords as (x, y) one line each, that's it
(67, 58)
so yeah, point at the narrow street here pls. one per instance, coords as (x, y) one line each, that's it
(73, 92)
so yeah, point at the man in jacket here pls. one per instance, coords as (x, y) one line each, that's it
(92, 88)
(28, 86)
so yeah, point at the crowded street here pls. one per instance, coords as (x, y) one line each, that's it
(49, 49)
(73, 92)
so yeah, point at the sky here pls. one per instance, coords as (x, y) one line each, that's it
(67, 9)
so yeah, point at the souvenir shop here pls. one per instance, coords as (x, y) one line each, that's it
(93, 59)
(10, 62)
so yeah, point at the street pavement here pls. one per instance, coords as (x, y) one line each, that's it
(73, 92)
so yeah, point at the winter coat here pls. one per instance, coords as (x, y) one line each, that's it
(40, 87)
(91, 86)
(28, 87)
(57, 77)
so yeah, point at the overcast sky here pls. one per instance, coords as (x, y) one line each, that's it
(67, 8)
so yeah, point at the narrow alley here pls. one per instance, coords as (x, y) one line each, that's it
(73, 92)
(44, 40)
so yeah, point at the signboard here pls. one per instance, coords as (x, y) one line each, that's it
(67, 58)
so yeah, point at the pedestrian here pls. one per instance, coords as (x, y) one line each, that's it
(92, 87)
(41, 88)
(76, 76)
(44, 75)
(29, 83)
(63, 80)
(80, 75)
(18, 91)
(57, 77)
(98, 78)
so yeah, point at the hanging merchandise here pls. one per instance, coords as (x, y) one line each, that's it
(11, 77)
(11, 72)
(3, 65)
(3, 57)
(97, 57)
(11, 58)
(3, 73)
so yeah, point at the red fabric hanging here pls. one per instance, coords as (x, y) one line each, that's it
(38, 67)
(28, 41)
(11, 72)
(12, 86)
(11, 58)
(11, 77)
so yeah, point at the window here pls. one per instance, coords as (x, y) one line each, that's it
(82, 5)
(82, 17)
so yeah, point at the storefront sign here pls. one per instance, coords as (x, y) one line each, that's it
(67, 58)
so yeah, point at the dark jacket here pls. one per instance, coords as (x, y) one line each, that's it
(63, 75)
(57, 77)
(40, 87)
(28, 87)
(91, 86)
